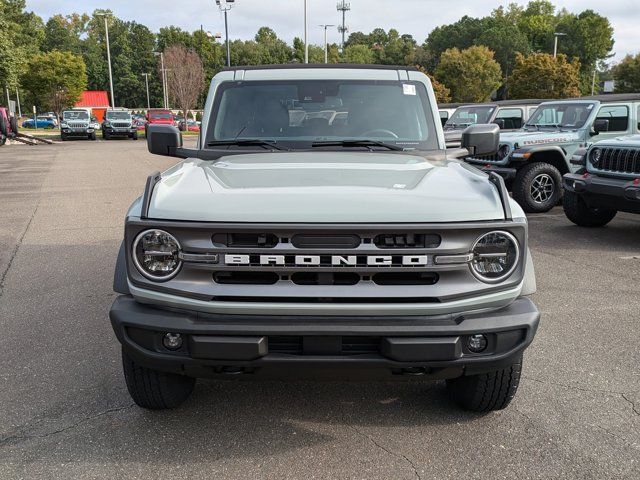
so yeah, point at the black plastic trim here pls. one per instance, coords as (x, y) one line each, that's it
(498, 181)
(152, 180)
(304, 66)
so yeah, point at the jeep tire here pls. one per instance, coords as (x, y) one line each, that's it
(153, 389)
(13, 123)
(486, 392)
(105, 135)
(537, 187)
(577, 210)
(92, 136)
(134, 135)
(63, 137)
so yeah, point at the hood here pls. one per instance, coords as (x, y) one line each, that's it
(325, 187)
(527, 138)
(624, 141)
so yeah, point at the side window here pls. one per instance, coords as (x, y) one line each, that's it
(638, 118)
(444, 116)
(512, 118)
(618, 116)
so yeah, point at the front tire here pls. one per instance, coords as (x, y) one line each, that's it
(538, 187)
(486, 392)
(153, 389)
(577, 210)
(92, 136)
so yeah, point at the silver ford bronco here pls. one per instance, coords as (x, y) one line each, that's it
(320, 228)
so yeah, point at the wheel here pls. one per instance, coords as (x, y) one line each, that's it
(135, 135)
(3, 126)
(92, 136)
(153, 389)
(487, 391)
(3, 140)
(13, 123)
(63, 137)
(537, 187)
(577, 210)
(105, 136)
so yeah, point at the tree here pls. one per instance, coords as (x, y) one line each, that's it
(64, 32)
(461, 35)
(471, 74)
(185, 76)
(627, 74)
(55, 80)
(541, 76)
(358, 54)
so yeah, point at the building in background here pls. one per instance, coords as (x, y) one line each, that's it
(96, 100)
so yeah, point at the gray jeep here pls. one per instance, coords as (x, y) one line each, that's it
(119, 123)
(77, 123)
(319, 227)
(533, 160)
(608, 183)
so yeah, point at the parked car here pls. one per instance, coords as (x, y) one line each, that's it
(509, 115)
(119, 123)
(608, 182)
(8, 125)
(189, 125)
(445, 110)
(159, 116)
(42, 122)
(77, 123)
(275, 248)
(533, 160)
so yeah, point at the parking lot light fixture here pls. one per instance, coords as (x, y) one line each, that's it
(106, 16)
(146, 80)
(225, 6)
(326, 46)
(555, 42)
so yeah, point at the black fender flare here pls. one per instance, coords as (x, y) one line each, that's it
(120, 283)
(524, 155)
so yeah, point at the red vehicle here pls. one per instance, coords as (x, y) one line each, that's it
(159, 116)
(8, 125)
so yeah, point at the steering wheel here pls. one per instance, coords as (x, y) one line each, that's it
(384, 131)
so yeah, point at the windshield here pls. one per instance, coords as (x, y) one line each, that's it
(297, 113)
(76, 115)
(161, 115)
(465, 116)
(561, 115)
(118, 115)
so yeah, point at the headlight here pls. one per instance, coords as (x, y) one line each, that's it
(156, 254)
(107, 124)
(594, 156)
(64, 125)
(503, 152)
(495, 256)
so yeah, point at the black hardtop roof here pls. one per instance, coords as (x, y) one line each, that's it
(287, 66)
(612, 97)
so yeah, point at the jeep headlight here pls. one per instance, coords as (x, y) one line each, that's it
(156, 254)
(503, 152)
(495, 256)
(594, 156)
(107, 124)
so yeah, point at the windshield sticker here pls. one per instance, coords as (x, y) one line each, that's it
(408, 89)
(589, 107)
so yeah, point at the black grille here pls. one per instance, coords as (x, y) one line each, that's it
(246, 278)
(246, 240)
(623, 160)
(347, 345)
(407, 240)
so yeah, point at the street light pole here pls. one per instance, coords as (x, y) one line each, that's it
(225, 6)
(106, 30)
(555, 42)
(306, 43)
(163, 77)
(326, 45)
(146, 80)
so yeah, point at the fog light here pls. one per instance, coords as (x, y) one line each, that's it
(477, 343)
(172, 341)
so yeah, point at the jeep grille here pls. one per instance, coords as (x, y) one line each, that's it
(620, 160)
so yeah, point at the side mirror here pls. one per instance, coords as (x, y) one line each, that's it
(163, 140)
(500, 122)
(601, 125)
(482, 139)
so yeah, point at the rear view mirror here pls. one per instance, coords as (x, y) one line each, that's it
(163, 140)
(500, 122)
(482, 139)
(601, 125)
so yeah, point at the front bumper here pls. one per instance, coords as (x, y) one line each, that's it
(215, 344)
(77, 132)
(605, 192)
(115, 131)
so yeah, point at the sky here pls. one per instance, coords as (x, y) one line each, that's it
(416, 17)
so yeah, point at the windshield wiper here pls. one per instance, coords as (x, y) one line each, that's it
(248, 142)
(357, 143)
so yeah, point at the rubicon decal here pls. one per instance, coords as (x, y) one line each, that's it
(545, 140)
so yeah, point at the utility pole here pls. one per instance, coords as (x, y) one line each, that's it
(164, 79)
(555, 42)
(18, 100)
(225, 6)
(343, 7)
(146, 80)
(326, 45)
(106, 16)
(306, 42)
(593, 82)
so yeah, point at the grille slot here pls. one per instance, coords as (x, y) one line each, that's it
(622, 160)
(246, 240)
(325, 241)
(407, 240)
(294, 345)
(246, 278)
(405, 278)
(325, 278)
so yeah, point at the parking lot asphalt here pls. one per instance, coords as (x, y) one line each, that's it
(65, 411)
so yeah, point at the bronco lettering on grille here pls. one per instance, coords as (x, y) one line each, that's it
(331, 260)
